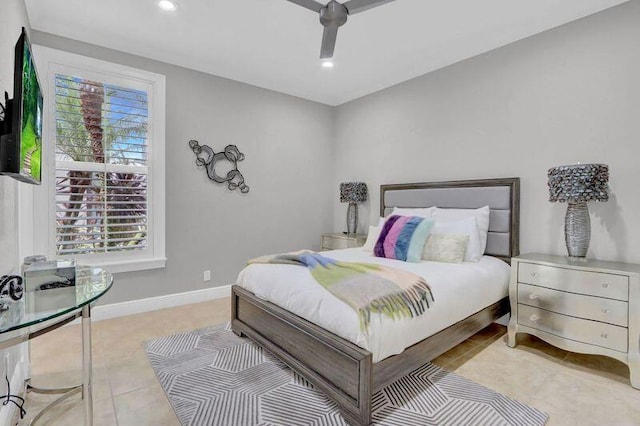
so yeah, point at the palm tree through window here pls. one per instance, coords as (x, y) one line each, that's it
(101, 167)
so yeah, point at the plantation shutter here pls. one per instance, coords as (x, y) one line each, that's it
(101, 167)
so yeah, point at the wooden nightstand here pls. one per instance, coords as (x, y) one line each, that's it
(587, 306)
(342, 241)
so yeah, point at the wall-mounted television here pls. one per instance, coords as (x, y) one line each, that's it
(21, 129)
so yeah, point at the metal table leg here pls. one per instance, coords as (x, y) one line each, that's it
(68, 392)
(86, 386)
(86, 366)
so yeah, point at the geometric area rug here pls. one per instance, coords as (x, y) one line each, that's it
(213, 377)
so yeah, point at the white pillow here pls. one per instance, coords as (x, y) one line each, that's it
(481, 215)
(372, 236)
(449, 248)
(467, 226)
(420, 212)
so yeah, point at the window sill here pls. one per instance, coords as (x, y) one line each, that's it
(119, 266)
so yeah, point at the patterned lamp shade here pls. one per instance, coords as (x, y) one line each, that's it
(579, 183)
(353, 192)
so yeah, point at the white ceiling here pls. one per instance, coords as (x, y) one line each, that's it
(275, 44)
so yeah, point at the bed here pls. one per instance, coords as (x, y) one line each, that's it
(346, 371)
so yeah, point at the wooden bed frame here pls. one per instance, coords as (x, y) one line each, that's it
(343, 371)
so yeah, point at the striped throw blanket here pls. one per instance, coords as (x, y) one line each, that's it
(365, 287)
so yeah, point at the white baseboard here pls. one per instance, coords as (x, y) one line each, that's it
(103, 312)
(9, 413)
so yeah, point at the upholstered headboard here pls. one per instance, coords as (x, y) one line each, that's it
(501, 195)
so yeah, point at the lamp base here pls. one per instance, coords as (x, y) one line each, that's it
(352, 219)
(577, 229)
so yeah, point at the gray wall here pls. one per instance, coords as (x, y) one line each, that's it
(289, 152)
(571, 94)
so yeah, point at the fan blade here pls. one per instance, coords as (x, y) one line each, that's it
(357, 6)
(328, 42)
(309, 4)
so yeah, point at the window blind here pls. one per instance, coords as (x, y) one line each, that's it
(101, 167)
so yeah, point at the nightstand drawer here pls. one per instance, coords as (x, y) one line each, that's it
(575, 305)
(585, 331)
(342, 241)
(332, 243)
(575, 281)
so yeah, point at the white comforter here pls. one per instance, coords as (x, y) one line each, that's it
(459, 290)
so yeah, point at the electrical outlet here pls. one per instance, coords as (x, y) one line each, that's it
(207, 275)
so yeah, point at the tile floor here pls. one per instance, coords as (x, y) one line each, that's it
(573, 389)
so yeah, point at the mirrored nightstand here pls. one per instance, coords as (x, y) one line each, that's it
(342, 241)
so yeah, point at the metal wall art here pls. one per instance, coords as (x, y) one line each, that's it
(205, 156)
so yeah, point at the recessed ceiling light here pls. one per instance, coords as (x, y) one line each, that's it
(327, 64)
(167, 5)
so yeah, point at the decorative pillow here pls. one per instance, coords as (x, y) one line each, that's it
(466, 226)
(420, 212)
(482, 217)
(372, 237)
(448, 248)
(403, 238)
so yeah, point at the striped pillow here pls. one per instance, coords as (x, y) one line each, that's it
(403, 238)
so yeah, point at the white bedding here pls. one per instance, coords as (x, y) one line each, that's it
(459, 290)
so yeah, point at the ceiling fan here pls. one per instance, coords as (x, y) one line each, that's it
(333, 15)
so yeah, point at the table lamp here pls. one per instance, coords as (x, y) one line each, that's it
(577, 184)
(353, 193)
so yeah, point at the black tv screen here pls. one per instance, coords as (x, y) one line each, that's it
(21, 146)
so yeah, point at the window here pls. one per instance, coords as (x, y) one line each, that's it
(104, 189)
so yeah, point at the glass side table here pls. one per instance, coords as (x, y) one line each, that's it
(39, 312)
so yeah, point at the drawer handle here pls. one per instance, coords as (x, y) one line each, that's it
(533, 296)
(534, 318)
(605, 311)
(534, 274)
(604, 335)
(605, 285)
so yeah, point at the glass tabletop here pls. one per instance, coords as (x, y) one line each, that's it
(44, 305)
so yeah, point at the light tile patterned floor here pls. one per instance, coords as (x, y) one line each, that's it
(573, 389)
